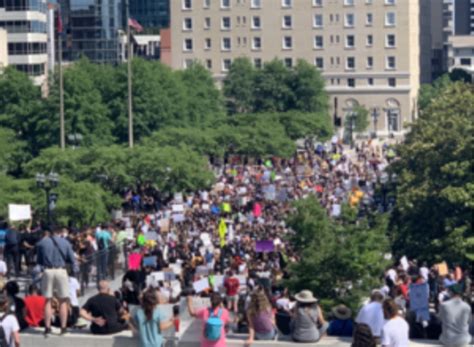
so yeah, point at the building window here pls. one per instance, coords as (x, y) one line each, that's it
(349, 20)
(392, 82)
(465, 61)
(207, 43)
(350, 63)
(318, 21)
(370, 81)
(225, 23)
(369, 41)
(209, 64)
(187, 4)
(187, 24)
(226, 46)
(256, 23)
(389, 2)
(370, 62)
(318, 3)
(207, 23)
(319, 63)
(286, 3)
(188, 63)
(351, 82)
(188, 44)
(390, 19)
(226, 64)
(207, 3)
(257, 62)
(287, 42)
(369, 19)
(287, 22)
(350, 41)
(257, 43)
(337, 38)
(318, 42)
(390, 63)
(256, 4)
(288, 62)
(348, 2)
(390, 41)
(225, 3)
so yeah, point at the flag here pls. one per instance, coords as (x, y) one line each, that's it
(222, 231)
(135, 25)
(59, 22)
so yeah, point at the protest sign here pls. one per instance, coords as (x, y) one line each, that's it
(176, 268)
(404, 263)
(202, 270)
(206, 239)
(442, 268)
(201, 285)
(264, 246)
(19, 212)
(178, 218)
(134, 261)
(200, 303)
(151, 236)
(150, 261)
(164, 224)
(178, 208)
(205, 207)
(175, 288)
(218, 282)
(130, 234)
(242, 279)
(178, 198)
(170, 276)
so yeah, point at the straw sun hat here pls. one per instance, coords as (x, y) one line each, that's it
(305, 297)
(341, 312)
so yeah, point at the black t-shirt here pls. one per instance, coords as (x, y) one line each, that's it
(107, 307)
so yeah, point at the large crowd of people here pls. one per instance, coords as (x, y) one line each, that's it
(228, 246)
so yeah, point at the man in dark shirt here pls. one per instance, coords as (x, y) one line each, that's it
(53, 254)
(103, 311)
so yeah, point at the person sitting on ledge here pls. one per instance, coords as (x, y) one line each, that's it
(104, 312)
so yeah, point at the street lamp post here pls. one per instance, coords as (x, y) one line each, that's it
(48, 183)
(75, 139)
(352, 116)
(375, 116)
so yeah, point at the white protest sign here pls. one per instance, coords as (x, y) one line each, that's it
(178, 198)
(200, 303)
(178, 208)
(205, 207)
(218, 282)
(130, 233)
(404, 263)
(151, 236)
(206, 239)
(175, 288)
(158, 276)
(19, 212)
(201, 285)
(177, 269)
(178, 218)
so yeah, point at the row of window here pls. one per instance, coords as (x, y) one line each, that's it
(287, 42)
(287, 21)
(31, 69)
(23, 5)
(226, 4)
(23, 26)
(26, 48)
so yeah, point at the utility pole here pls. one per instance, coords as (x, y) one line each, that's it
(61, 85)
(129, 78)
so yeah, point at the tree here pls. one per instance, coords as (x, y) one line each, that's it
(429, 92)
(460, 75)
(12, 152)
(307, 85)
(272, 90)
(433, 216)
(15, 191)
(239, 86)
(339, 261)
(299, 125)
(361, 120)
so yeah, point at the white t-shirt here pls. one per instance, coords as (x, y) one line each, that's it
(395, 333)
(3, 268)
(424, 272)
(372, 315)
(74, 286)
(10, 325)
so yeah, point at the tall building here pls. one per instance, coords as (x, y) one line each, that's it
(92, 29)
(151, 13)
(25, 23)
(368, 51)
(3, 49)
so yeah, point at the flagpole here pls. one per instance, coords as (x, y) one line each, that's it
(61, 89)
(129, 78)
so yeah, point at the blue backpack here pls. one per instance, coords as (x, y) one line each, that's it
(214, 324)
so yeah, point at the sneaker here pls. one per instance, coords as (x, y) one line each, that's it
(63, 331)
(47, 332)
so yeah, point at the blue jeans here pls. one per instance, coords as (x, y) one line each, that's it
(266, 336)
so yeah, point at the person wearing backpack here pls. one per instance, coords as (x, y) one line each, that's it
(214, 319)
(9, 327)
(104, 240)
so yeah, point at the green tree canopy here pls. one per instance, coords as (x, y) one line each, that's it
(433, 217)
(239, 86)
(339, 261)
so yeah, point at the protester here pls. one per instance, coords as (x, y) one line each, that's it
(53, 254)
(214, 319)
(342, 324)
(12, 289)
(148, 321)
(372, 314)
(455, 316)
(12, 251)
(10, 324)
(363, 336)
(104, 312)
(260, 318)
(308, 324)
(34, 306)
(395, 329)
